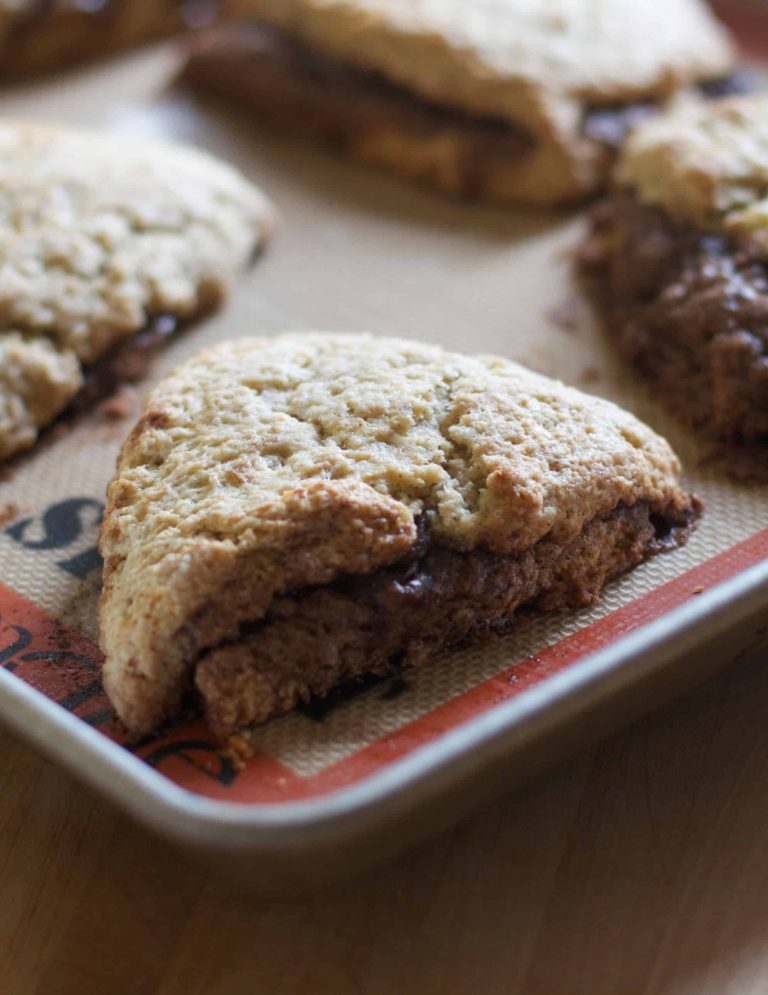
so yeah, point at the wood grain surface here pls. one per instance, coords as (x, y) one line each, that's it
(638, 868)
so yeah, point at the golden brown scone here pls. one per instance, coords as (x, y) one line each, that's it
(290, 513)
(99, 237)
(504, 100)
(40, 37)
(677, 263)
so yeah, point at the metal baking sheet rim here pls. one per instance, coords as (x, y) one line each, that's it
(407, 784)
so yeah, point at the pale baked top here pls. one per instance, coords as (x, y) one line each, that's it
(534, 62)
(99, 232)
(704, 162)
(263, 466)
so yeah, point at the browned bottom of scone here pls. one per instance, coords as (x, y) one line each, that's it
(689, 310)
(315, 639)
(55, 34)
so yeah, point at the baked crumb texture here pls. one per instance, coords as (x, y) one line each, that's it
(509, 101)
(292, 513)
(105, 244)
(677, 266)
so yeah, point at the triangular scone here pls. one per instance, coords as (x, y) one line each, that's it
(505, 100)
(102, 237)
(294, 512)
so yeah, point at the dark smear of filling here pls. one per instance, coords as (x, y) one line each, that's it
(689, 309)
(738, 84)
(417, 595)
(398, 686)
(127, 362)
(610, 125)
(318, 709)
(432, 573)
(319, 638)
(432, 569)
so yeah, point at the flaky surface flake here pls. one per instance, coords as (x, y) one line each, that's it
(705, 163)
(267, 466)
(98, 234)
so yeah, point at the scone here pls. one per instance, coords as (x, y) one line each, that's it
(501, 100)
(677, 265)
(292, 513)
(39, 37)
(106, 244)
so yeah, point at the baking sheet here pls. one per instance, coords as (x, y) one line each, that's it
(355, 251)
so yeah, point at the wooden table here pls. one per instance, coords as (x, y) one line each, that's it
(638, 868)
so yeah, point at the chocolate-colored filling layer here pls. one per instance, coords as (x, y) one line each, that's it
(610, 125)
(315, 639)
(298, 88)
(689, 309)
(127, 362)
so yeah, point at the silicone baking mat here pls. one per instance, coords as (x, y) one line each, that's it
(356, 251)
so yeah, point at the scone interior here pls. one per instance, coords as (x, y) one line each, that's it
(293, 513)
(677, 265)
(489, 101)
(106, 245)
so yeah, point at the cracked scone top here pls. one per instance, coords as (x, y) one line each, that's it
(705, 163)
(262, 468)
(100, 234)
